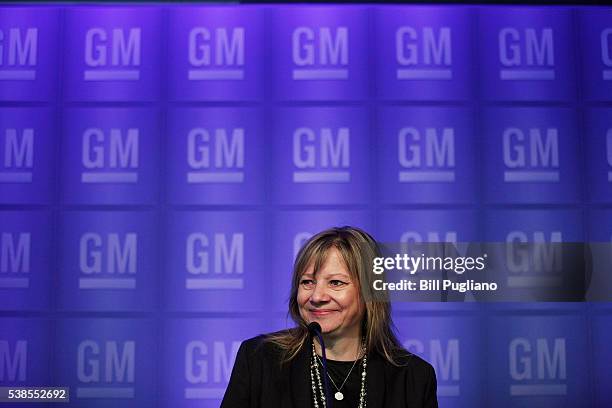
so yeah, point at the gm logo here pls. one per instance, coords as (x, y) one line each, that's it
(13, 361)
(609, 153)
(540, 363)
(427, 155)
(531, 265)
(531, 156)
(18, 157)
(215, 155)
(321, 155)
(423, 54)
(415, 238)
(606, 53)
(15, 260)
(444, 356)
(110, 157)
(108, 261)
(320, 53)
(526, 54)
(18, 52)
(216, 54)
(208, 367)
(215, 261)
(430, 236)
(112, 55)
(100, 364)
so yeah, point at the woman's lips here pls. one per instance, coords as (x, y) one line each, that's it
(321, 312)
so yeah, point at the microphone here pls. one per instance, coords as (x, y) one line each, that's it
(314, 329)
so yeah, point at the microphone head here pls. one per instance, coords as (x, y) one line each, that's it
(314, 328)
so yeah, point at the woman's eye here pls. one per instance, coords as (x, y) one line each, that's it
(306, 282)
(336, 282)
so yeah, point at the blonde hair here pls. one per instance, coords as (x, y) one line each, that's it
(357, 249)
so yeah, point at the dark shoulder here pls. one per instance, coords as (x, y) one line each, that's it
(253, 342)
(410, 361)
(261, 346)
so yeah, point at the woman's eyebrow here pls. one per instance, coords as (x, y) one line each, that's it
(345, 275)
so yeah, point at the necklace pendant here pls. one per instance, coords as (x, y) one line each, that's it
(339, 396)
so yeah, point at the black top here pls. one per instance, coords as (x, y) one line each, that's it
(338, 370)
(259, 381)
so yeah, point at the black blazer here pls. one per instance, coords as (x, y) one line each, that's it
(258, 381)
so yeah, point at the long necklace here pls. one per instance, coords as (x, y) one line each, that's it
(338, 395)
(315, 380)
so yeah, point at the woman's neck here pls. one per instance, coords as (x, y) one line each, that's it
(347, 348)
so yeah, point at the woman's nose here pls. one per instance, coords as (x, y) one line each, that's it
(319, 294)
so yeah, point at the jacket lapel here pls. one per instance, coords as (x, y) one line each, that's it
(375, 381)
(299, 392)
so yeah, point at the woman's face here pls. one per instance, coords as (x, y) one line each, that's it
(331, 298)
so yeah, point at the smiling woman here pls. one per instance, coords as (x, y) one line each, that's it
(366, 364)
(330, 297)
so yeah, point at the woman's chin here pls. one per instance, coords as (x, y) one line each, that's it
(328, 328)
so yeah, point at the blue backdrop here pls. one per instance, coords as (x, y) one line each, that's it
(160, 166)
